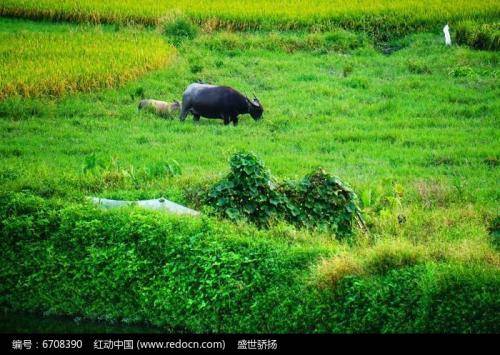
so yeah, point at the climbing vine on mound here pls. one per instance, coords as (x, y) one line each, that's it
(249, 192)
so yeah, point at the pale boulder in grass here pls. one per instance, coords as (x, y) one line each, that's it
(161, 108)
(160, 204)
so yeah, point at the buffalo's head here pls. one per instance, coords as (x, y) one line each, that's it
(176, 105)
(255, 108)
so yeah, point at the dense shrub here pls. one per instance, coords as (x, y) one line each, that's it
(249, 192)
(323, 201)
(179, 29)
(202, 275)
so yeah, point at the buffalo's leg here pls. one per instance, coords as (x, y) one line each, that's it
(227, 120)
(183, 115)
(184, 111)
(235, 120)
(196, 118)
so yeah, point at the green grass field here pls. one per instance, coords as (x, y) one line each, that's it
(414, 131)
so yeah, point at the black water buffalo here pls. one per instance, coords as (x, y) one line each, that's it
(210, 101)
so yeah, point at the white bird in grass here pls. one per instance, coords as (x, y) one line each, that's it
(447, 37)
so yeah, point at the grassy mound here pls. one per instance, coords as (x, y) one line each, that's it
(53, 60)
(201, 275)
(382, 18)
(249, 192)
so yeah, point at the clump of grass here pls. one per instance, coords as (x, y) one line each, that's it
(492, 162)
(334, 269)
(163, 169)
(479, 36)
(467, 252)
(72, 59)
(178, 29)
(390, 254)
(461, 71)
(433, 193)
(418, 67)
(347, 70)
(18, 109)
(342, 40)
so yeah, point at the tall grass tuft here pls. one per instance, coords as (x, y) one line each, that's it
(178, 29)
